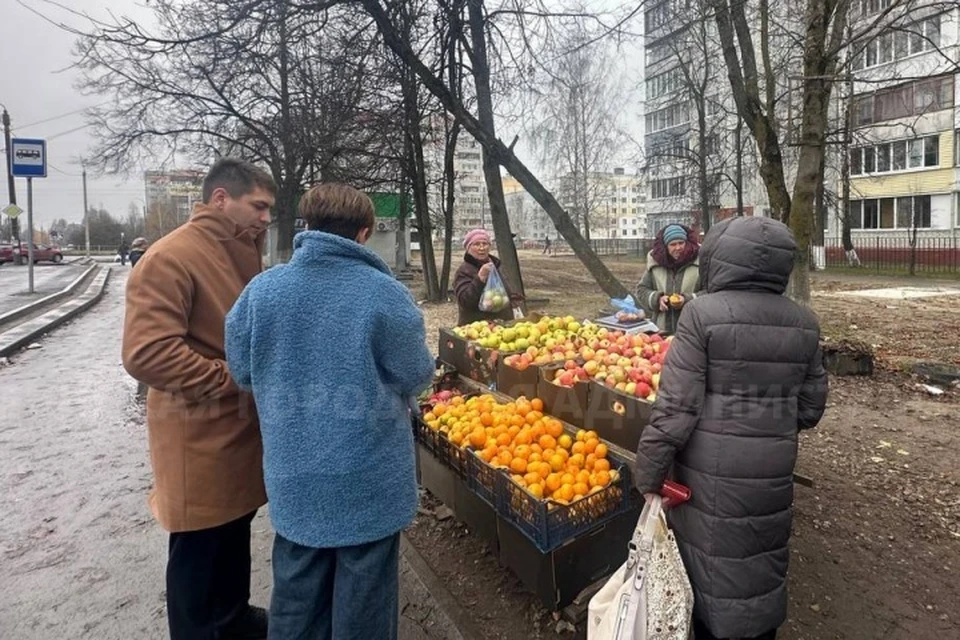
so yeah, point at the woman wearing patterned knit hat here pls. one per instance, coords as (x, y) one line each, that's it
(673, 269)
(471, 278)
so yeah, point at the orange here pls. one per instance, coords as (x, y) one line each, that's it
(517, 420)
(576, 460)
(577, 447)
(537, 404)
(538, 429)
(567, 478)
(524, 437)
(439, 409)
(590, 445)
(504, 439)
(563, 454)
(522, 451)
(545, 469)
(536, 490)
(581, 489)
(488, 454)
(583, 477)
(567, 492)
(601, 450)
(556, 462)
(602, 478)
(531, 418)
(547, 442)
(456, 437)
(554, 428)
(513, 431)
(531, 478)
(581, 435)
(486, 419)
(565, 441)
(518, 465)
(553, 482)
(478, 438)
(601, 465)
(504, 458)
(590, 461)
(591, 434)
(519, 480)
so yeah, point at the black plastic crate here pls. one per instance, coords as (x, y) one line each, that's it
(549, 524)
(426, 436)
(482, 479)
(452, 455)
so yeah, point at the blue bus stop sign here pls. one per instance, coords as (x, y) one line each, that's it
(29, 158)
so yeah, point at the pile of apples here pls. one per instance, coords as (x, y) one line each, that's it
(545, 333)
(630, 364)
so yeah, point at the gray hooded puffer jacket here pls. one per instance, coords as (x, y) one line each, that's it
(743, 374)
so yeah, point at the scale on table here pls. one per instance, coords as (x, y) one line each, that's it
(638, 326)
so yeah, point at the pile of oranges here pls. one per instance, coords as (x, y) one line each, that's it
(532, 447)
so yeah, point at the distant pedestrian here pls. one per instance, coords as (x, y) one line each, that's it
(137, 249)
(333, 373)
(546, 245)
(122, 251)
(205, 445)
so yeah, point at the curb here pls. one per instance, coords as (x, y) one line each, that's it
(27, 309)
(445, 602)
(17, 337)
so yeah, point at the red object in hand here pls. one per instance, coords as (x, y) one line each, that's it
(673, 493)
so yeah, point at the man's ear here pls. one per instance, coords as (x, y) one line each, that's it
(364, 234)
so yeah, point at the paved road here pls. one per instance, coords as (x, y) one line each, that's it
(47, 279)
(80, 555)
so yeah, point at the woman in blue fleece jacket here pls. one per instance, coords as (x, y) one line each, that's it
(333, 347)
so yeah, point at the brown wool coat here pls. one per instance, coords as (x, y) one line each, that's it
(205, 445)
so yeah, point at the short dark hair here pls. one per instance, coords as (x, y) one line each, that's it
(236, 177)
(336, 208)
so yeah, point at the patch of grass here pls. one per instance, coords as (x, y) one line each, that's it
(892, 272)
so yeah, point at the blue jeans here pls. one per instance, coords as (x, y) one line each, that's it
(346, 593)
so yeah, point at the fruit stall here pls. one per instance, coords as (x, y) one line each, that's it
(528, 437)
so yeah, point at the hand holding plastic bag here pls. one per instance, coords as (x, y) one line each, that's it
(494, 297)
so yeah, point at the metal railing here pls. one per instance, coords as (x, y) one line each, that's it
(925, 255)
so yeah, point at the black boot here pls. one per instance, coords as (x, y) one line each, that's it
(249, 625)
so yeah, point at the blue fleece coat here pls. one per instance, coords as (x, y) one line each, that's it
(333, 347)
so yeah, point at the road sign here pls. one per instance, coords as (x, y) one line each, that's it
(29, 158)
(12, 211)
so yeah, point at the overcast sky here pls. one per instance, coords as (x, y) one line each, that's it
(37, 88)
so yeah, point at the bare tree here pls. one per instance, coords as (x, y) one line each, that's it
(576, 111)
(495, 151)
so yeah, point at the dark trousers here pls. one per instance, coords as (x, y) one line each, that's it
(347, 593)
(208, 579)
(701, 632)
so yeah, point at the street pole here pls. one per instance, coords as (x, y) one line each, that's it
(86, 210)
(30, 233)
(11, 185)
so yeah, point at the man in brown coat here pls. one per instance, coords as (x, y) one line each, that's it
(205, 445)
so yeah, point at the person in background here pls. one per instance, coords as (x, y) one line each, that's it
(471, 278)
(546, 245)
(671, 278)
(205, 446)
(333, 371)
(122, 251)
(744, 374)
(137, 249)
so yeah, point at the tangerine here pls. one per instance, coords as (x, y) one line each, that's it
(537, 404)
(601, 450)
(601, 465)
(547, 441)
(536, 490)
(565, 441)
(518, 465)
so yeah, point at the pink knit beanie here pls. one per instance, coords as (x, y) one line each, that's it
(475, 236)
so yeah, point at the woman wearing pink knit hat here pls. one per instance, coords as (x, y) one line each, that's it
(471, 278)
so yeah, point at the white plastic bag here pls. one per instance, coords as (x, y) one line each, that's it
(494, 297)
(649, 597)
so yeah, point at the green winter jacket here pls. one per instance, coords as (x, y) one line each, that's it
(660, 281)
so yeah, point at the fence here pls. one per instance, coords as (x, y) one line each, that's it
(609, 246)
(897, 254)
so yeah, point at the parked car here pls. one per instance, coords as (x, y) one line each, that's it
(7, 253)
(41, 253)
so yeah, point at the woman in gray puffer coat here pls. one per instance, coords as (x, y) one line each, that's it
(743, 375)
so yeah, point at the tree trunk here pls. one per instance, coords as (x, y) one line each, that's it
(449, 181)
(506, 249)
(702, 164)
(286, 216)
(501, 153)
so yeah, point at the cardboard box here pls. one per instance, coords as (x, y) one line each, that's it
(615, 416)
(566, 403)
(468, 358)
(558, 576)
(515, 383)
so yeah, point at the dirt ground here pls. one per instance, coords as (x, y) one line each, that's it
(876, 544)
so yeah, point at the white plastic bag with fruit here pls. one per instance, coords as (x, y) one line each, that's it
(649, 597)
(494, 297)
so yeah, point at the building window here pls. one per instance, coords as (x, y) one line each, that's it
(671, 116)
(899, 42)
(666, 188)
(891, 213)
(908, 99)
(896, 156)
